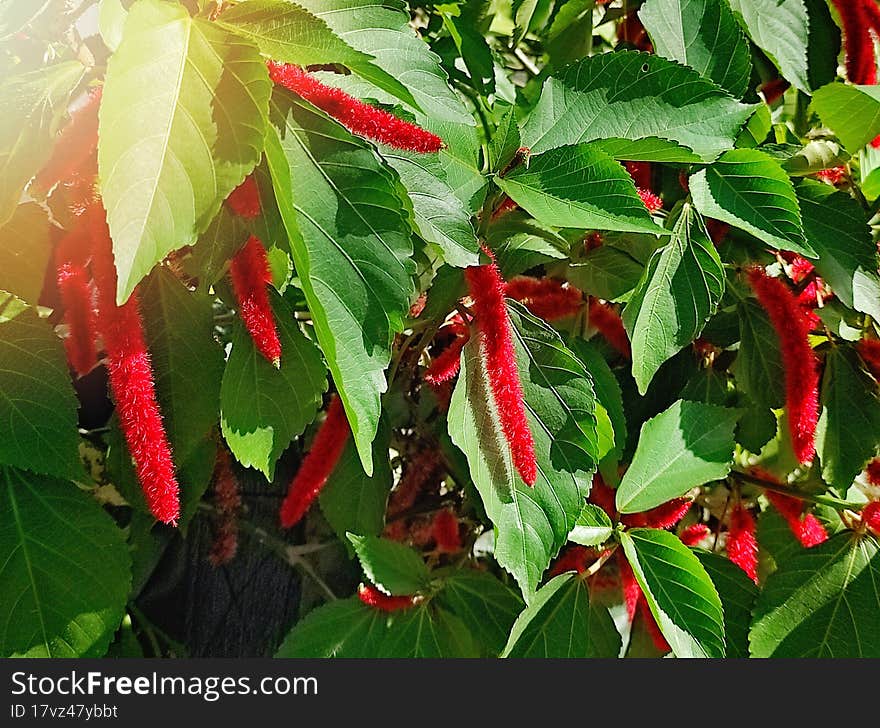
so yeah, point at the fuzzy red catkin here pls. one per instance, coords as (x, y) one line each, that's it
(608, 323)
(650, 200)
(507, 205)
(693, 534)
(742, 546)
(663, 516)
(486, 287)
(227, 502)
(547, 298)
(871, 515)
(356, 116)
(603, 496)
(573, 558)
(250, 274)
(629, 585)
(806, 527)
(444, 528)
(640, 173)
(873, 471)
(419, 471)
(132, 384)
(72, 279)
(445, 365)
(372, 597)
(869, 350)
(800, 363)
(832, 175)
(76, 143)
(859, 48)
(244, 200)
(317, 466)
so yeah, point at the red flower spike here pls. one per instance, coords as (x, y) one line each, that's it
(650, 200)
(628, 584)
(640, 173)
(227, 503)
(717, 230)
(774, 89)
(317, 466)
(72, 279)
(799, 268)
(507, 205)
(859, 58)
(651, 625)
(592, 241)
(832, 175)
(250, 275)
(742, 546)
(418, 473)
(806, 528)
(444, 528)
(244, 200)
(873, 471)
(445, 365)
(607, 322)
(800, 363)
(76, 143)
(132, 385)
(871, 515)
(663, 516)
(547, 298)
(693, 534)
(376, 599)
(356, 116)
(573, 558)
(869, 350)
(486, 288)
(603, 496)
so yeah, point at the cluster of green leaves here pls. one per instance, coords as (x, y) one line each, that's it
(367, 246)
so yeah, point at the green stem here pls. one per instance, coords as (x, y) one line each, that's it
(820, 498)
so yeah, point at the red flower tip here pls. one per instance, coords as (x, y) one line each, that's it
(72, 279)
(573, 558)
(832, 175)
(873, 471)
(592, 241)
(372, 597)
(717, 230)
(693, 534)
(76, 143)
(132, 385)
(507, 205)
(650, 200)
(663, 516)
(742, 546)
(871, 515)
(356, 116)
(227, 503)
(869, 350)
(250, 275)
(800, 363)
(774, 89)
(486, 287)
(445, 365)
(806, 528)
(245, 199)
(607, 322)
(444, 528)
(317, 466)
(629, 585)
(799, 268)
(640, 173)
(857, 17)
(548, 298)
(603, 496)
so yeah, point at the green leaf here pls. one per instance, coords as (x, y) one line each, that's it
(607, 272)
(353, 501)
(689, 444)
(836, 228)
(352, 249)
(560, 622)
(631, 95)
(487, 607)
(34, 104)
(504, 142)
(288, 33)
(184, 104)
(822, 602)
(394, 568)
(680, 593)
(440, 217)
(780, 28)
(25, 247)
(18, 15)
(224, 237)
(111, 22)
(427, 631)
(749, 190)
(531, 524)
(592, 527)
(678, 293)
(38, 407)
(702, 34)
(849, 425)
(738, 594)
(851, 112)
(578, 186)
(466, 25)
(187, 363)
(65, 569)
(520, 243)
(813, 157)
(648, 149)
(758, 365)
(344, 628)
(264, 408)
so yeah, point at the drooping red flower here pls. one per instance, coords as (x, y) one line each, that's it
(131, 383)
(650, 200)
(420, 469)
(507, 205)
(806, 527)
(799, 268)
(873, 471)
(742, 546)
(871, 515)
(444, 528)
(607, 322)
(547, 298)
(76, 143)
(774, 89)
(800, 364)
(693, 534)
(869, 350)
(317, 466)
(372, 597)
(356, 116)
(592, 241)
(486, 287)
(651, 625)
(73, 281)
(629, 584)
(227, 503)
(603, 496)
(445, 365)
(250, 274)
(573, 558)
(858, 45)
(717, 230)
(832, 175)
(663, 516)
(244, 200)
(640, 173)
